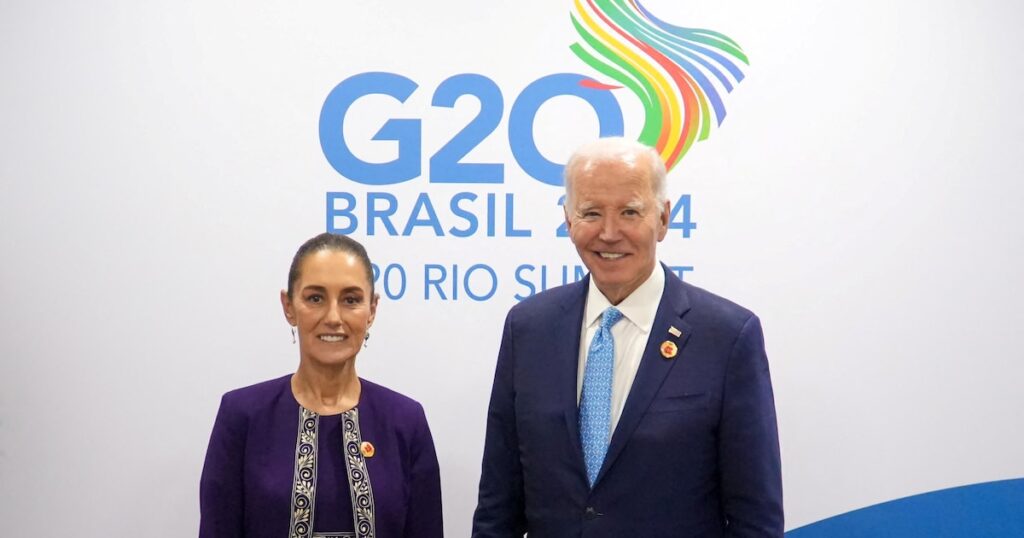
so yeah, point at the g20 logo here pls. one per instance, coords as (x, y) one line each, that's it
(446, 164)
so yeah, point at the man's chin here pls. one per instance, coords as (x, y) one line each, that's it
(613, 274)
(613, 283)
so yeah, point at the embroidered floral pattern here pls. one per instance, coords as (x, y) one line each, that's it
(358, 478)
(304, 483)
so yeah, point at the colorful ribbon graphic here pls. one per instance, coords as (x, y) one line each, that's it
(667, 67)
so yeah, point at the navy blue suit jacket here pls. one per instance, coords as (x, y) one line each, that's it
(696, 449)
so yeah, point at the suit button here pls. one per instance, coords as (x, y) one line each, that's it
(590, 513)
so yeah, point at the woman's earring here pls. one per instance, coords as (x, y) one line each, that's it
(366, 339)
(293, 334)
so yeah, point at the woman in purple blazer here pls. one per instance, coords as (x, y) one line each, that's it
(322, 453)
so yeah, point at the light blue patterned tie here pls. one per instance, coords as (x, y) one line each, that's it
(596, 397)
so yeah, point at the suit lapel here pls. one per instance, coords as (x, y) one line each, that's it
(565, 339)
(653, 366)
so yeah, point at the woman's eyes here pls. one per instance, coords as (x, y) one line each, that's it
(349, 300)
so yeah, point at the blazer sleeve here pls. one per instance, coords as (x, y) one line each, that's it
(424, 519)
(500, 510)
(221, 497)
(751, 470)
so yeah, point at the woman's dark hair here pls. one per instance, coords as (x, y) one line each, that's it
(329, 241)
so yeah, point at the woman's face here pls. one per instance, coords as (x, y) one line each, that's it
(331, 306)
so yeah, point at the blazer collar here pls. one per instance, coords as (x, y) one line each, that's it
(565, 351)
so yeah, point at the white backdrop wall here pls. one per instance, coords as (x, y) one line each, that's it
(161, 162)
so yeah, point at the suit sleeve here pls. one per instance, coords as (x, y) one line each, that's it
(221, 497)
(424, 520)
(749, 441)
(500, 511)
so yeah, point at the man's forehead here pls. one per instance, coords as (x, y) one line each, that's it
(611, 181)
(582, 200)
(615, 176)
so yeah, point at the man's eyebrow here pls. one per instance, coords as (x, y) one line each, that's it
(585, 206)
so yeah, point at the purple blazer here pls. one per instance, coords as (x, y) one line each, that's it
(275, 469)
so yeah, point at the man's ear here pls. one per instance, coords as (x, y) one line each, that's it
(565, 213)
(666, 213)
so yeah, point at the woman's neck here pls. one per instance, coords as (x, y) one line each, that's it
(324, 390)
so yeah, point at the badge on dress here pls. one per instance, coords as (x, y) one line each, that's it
(669, 349)
(367, 449)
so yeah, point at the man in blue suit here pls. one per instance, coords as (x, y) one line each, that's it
(629, 403)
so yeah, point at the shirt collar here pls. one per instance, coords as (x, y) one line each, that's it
(640, 307)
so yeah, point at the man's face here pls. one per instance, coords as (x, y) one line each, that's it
(615, 221)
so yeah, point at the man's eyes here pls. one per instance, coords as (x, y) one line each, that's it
(596, 214)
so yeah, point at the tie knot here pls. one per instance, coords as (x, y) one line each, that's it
(610, 317)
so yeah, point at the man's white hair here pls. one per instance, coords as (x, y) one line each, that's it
(617, 149)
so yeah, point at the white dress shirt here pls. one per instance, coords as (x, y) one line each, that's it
(630, 334)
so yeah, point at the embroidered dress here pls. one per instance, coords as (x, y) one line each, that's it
(276, 469)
